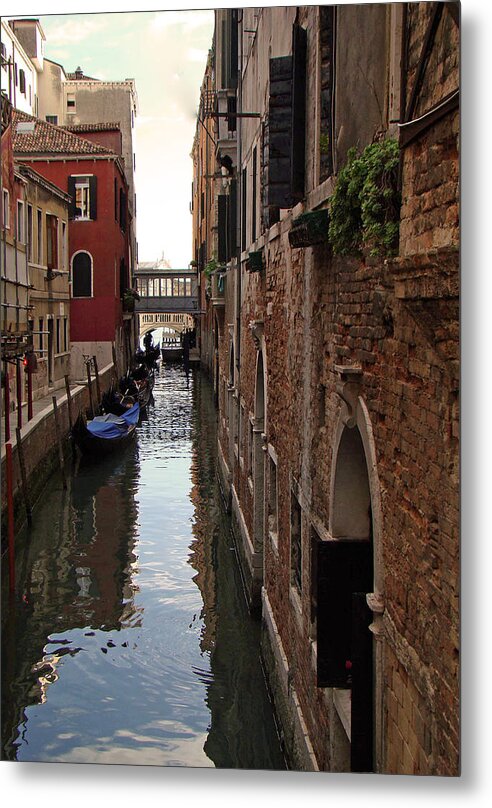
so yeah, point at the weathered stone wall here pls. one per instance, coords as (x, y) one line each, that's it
(397, 321)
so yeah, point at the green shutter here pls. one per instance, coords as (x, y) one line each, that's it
(93, 197)
(298, 141)
(361, 725)
(222, 229)
(71, 193)
(340, 568)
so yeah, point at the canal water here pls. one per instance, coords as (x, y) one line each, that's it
(128, 639)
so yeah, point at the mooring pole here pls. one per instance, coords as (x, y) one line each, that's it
(29, 392)
(59, 440)
(69, 402)
(89, 384)
(10, 515)
(115, 364)
(98, 386)
(7, 403)
(25, 490)
(19, 392)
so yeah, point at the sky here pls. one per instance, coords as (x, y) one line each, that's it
(166, 53)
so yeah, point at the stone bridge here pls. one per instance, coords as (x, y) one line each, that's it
(168, 299)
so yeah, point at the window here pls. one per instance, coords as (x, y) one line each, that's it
(51, 241)
(52, 119)
(41, 335)
(21, 222)
(22, 81)
(253, 194)
(122, 210)
(82, 275)
(243, 212)
(82, 198)
(71, 102)
(29, 233)
(295, 543)
(39, 254)
(272, 497)
(57, 344)
(83, 193)
(64, 246)
(6, 209)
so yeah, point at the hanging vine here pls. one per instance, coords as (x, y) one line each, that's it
(365, 206)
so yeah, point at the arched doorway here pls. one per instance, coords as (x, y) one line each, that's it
(347, 575)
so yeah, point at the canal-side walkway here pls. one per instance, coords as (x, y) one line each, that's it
(39, 442)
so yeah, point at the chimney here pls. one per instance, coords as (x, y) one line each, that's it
(79, 74)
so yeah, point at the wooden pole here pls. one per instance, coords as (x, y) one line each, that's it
(98, 386)
(7, 403)
(59, 440)
(69, 402)
(18, 372)
(115, 364)
(10, 515)
(29, 393)
(25, 490)
(89, 384)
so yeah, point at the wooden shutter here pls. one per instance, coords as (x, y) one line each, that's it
(232, 218)
(280, 133)
(340, 568)
(71, 193)
(361, 729)
(222, 229)
(298, 140)
(93, 197)
(52, 242)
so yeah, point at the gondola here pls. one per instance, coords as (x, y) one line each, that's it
(172, 353)
(107, 433)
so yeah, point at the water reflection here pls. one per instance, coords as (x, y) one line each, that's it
(128, 640)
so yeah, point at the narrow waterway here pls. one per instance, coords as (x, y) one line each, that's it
(128, 639)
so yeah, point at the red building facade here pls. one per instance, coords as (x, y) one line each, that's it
(99, 254)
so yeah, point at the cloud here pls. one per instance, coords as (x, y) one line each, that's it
(76, 29)
(189, 19)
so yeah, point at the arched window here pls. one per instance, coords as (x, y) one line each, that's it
(351, 516)
(82, 275)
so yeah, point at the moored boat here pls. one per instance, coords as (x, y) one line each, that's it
(106, 433)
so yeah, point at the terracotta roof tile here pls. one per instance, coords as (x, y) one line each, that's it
(91, 127)
(46, 138)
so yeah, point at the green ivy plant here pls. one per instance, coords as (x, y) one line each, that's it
(210, 267)
(365, 205)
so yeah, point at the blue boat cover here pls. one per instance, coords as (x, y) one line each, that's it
(113, 426)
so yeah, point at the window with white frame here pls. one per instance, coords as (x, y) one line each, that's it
(82, 190)
(82, 275)
(82, 198)
(21, 222)
(6, 208)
